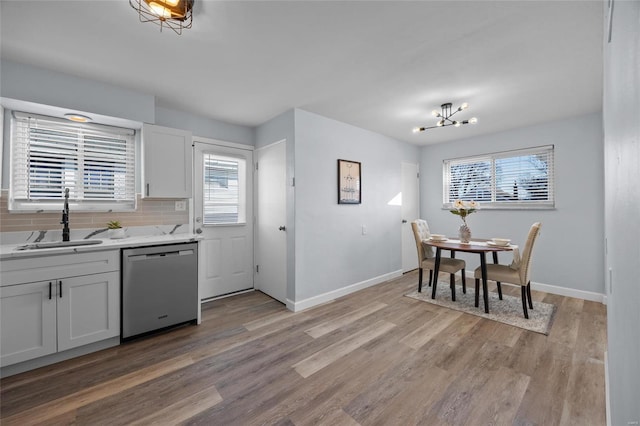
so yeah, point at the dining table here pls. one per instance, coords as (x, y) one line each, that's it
(475, 245)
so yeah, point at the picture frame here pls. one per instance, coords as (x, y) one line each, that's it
(349, 182)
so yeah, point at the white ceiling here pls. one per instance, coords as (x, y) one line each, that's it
(379, 65)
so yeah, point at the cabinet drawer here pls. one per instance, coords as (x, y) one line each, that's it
(24, 270)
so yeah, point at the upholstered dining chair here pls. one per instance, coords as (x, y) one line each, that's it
(427, 259)
(517, 273)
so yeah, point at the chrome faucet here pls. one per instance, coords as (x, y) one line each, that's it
(65, 216)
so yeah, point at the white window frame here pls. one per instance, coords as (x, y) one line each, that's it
(102, 155)
(549, 203)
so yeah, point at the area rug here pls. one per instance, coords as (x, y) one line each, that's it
(507, 311)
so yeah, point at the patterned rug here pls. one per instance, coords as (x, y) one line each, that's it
(508, 310)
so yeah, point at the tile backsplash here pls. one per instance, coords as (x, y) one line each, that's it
(148, 212)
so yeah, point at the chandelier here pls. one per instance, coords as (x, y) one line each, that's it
(445, 117)
(174, 14)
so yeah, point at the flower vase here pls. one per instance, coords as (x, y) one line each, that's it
(464, 233)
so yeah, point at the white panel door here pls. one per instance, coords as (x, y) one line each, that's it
(27, 321)
(410, 212)
(88, 309)
(271, 247)
(226, 252)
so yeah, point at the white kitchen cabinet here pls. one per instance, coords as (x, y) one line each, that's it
(88, 309)
(27, 322)
(167, 162)
(70, 309)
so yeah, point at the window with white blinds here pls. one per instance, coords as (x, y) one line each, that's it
(512, 179)
(48, 154)
(224, 189)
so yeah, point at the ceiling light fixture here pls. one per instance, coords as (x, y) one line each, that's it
(78, 118)
(174, 14)
(445, 117)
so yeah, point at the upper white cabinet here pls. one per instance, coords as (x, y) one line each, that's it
(167, 162)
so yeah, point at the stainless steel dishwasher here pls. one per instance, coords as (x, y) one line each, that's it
(159, 288)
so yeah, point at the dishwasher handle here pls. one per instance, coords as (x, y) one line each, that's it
(136, 257)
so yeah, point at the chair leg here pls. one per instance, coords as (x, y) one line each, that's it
(529, 295)
(524, 301)
(477, 292)
(499, 290)
(430, 277)
(452, 284)
(464, 283)
(419, 280)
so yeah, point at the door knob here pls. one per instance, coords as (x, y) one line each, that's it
(404, 220)
(199, 231)
(282, 228)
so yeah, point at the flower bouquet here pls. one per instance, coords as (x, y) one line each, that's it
(463, 209)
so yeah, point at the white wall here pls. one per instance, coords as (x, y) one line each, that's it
(204, 127)
(331, 252)
(622, 210)
(39, 88)
(569, 252)
(42, 86)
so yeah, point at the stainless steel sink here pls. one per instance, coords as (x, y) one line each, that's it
(56, 244)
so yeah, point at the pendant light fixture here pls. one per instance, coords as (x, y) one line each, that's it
(445, 117)
(174, 14)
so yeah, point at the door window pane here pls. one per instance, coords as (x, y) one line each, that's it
(224, 190)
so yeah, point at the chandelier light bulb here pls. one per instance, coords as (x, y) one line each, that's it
(456, 123)
(435, 113)
(174, 14)
(441, 123)
(416, 129)
(160, 10)
(473, 120)
(464, 106)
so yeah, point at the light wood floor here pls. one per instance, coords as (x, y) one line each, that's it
(370, 358)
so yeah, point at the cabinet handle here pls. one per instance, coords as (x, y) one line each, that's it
(49, 290)
(147, 190)
(60, 284)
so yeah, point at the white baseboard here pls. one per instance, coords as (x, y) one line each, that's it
(562, 291)
(570, 292)
(334, 294)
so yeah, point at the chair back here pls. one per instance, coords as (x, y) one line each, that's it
(421, 232)
(525, 262)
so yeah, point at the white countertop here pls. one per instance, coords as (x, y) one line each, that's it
(10, 251)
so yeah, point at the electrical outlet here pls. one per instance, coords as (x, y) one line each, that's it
(181, 205)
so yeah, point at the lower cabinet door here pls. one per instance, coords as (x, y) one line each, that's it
(27, 321)
(88, 309)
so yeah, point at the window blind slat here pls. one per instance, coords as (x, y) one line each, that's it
(97, 164)
(515, 178)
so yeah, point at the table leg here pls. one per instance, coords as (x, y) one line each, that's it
(435, 272)
(485, 295)
(495, 261)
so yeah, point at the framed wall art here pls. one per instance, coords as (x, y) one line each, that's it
(349, 184)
